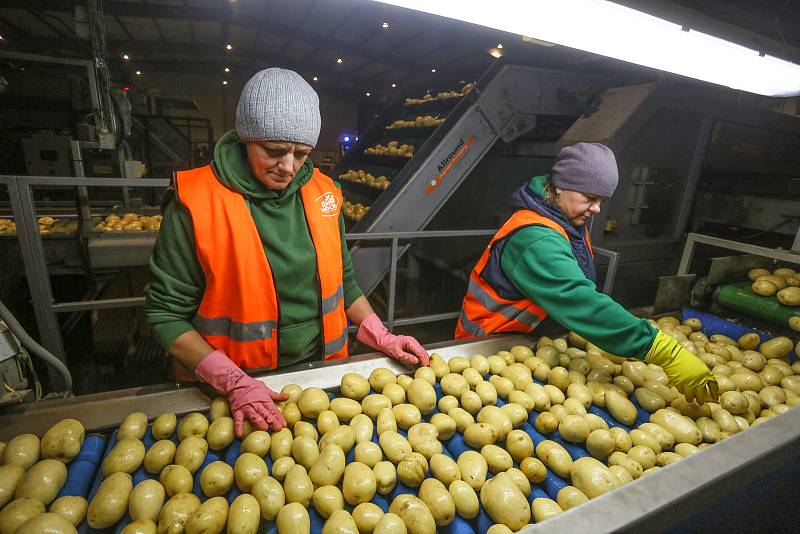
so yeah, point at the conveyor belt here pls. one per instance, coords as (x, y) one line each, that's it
(650, 502)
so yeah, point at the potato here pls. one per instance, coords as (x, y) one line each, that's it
(414, 513)
(498, 419)
(327, 499)
(359, 483)
(620, 407)
(354, 386)
(595, 422)
(412, 469)
(516, 413)
(439, 366)
(270, 496)
(621, 474)
(176, 512)
(445, 426)
(298, 486)
(462, 418)
(438, 500)
(381, 376)
(473, 468)
(305, 451)
(789, 296)
(754, 274)
(390, 524)
(159, 455)
(312, 402)
(621, 459)
(194, 424)
(546, 423)
(22, 450)
(373, 404)
(366, 515)
(133, 426)
(395, 447)
(497, 458)
(293, 391)
(293, 519)
(191, 452)
(126, 456)
(176, 479)
(684, 449)
(111, 501)
(682, 428)
(280, 444)
(640, 437)
(220, 407)
(328, 469)
(146, 500)
(345, 409)
(574, 428)
(422, 395)
(48, 523)
(600, 443)
(504, 386)
(164, 425)
(395, 393)
(406, 415)
(10, 477)
(725, 420)
(385, 477)
(649, 400)
(734, 402)
(555, 457)
(777, 347)
(454, 384)
(210, 517)
(63, 440)
(220, 433)
(248, 469)
(258, 442)
(290, 412)
(505, 503)
(344, 437)
(216, 479)
(142, 526)
(622, 441)
(17, 512)
(764, 287)
(645, 456)
(533, 469)
(519, 445)
(244, 515)
(664, 438)
(340, 522)
(71, 508)
(424, 439)
(570, 496)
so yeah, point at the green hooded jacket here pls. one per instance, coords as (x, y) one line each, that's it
(541, 265)
(178, 283)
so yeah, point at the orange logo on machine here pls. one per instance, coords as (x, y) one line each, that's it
(447, 164)
(328, 205)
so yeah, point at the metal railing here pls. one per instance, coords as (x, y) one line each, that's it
(791, 256)
(45, 309)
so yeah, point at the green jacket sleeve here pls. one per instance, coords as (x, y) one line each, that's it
(540, 264)
(177, 281)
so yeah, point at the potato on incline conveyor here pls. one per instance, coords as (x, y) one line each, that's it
(70, 507)
(414, 513)
(210, 518)
(293, 519)
(110, 503)
(63, 440)
(18, 512)
(48, 523)
(505, 503)
(42, 481)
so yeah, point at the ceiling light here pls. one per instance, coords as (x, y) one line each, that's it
(433, 69)
(227, 69)
(368, 93)
(339, 60)
(499, 45)
(619, 32)
(228, 46)
(224, 82)
(138, 73)
(385, 25)
(495, 53)
(1, 38)
(394, 85)
(125, 57)
(315, 78)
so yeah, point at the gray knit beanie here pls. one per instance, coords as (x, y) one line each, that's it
(589, 168)
(278, 105)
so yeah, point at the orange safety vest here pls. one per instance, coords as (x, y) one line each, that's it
(239, 312)
(485, 312)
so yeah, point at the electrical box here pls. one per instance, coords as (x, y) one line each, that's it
(47, 155)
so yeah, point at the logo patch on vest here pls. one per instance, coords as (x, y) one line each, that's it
(328, 205)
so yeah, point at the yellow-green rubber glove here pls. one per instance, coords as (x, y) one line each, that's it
(686, 371)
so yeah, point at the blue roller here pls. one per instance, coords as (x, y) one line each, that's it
(140, 475)
(716, 325)
(148, 438)
(233, 493)
(537, 492)
(438, 389)
(500, 402)
(552, 484)
(211, 456)
(122, 523)
(317, 521)
(350, 457)
(381, 502)
(532, 415)
(446, 452)
(399, 489)
(456, 445)
(98, 477)
(458, 526)
(605, 416)
(232, 452)
(483, 522)
(81, 470)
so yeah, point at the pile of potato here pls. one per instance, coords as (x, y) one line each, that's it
(354, 212)
(442, 95)
(392, 148)
(7, 226)
(362, 177)
(558, 380)
(783, 283)
(419, 121)
(129, 222)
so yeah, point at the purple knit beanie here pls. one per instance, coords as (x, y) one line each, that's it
(589, 168)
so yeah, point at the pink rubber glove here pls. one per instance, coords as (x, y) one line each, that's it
(372, 333)
(248, 397)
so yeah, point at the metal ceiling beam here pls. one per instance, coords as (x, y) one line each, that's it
(217, 14)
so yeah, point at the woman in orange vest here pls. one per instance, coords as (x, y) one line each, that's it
(251, 270)
(541, 263)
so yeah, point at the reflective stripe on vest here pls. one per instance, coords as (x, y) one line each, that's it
(232, 256)
(485, 312)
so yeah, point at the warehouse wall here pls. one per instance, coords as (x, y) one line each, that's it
(218, 103)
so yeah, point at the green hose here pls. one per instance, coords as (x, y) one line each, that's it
(740, 298)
